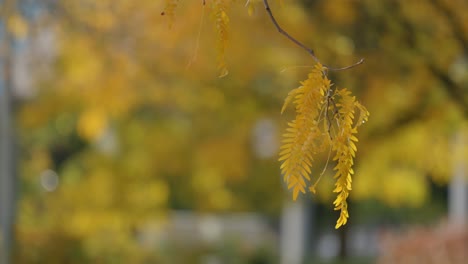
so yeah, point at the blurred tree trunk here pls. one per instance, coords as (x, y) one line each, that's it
(7, 161)
(7, 187)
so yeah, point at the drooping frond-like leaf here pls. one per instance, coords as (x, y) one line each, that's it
(219, 14)
(299, 143)
(344, 145)
(169, 11)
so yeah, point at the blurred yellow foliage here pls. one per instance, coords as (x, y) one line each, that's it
(132, 132)
(412, 188)
(17, 26)
(92, 124)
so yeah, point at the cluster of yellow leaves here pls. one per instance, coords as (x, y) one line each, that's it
(303, 132)
(325, 118)
(345, 149)
(219, 14)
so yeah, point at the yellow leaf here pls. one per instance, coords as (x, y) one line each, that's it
(312, 189)
(295, 193)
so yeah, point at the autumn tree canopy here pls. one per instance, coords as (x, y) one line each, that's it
(132, 117)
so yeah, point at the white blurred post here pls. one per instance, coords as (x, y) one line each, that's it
(458, 186)
(292, 239)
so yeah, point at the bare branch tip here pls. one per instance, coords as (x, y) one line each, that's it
(361, 61)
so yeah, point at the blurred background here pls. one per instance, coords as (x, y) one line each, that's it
(119, 143)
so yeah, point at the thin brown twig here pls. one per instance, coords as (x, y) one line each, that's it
(286, 34)
(300, 44)
(361, 61)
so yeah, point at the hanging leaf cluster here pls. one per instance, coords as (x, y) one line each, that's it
(325, 120)
(218, 10)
